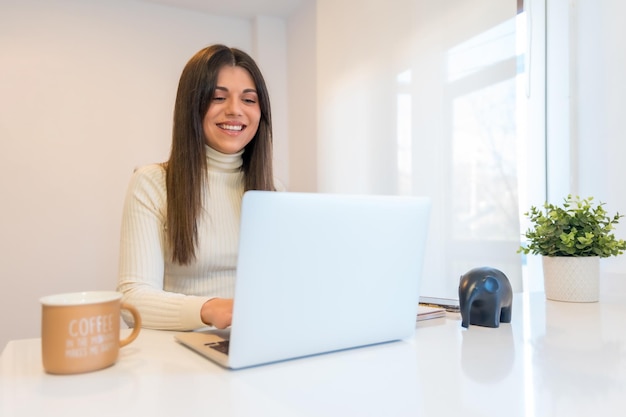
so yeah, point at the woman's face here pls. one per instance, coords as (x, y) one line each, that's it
(233, 116)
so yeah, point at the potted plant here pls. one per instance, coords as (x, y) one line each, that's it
(571, 240)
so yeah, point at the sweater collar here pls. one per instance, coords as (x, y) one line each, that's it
(217, 161)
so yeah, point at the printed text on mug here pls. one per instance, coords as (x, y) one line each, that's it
(90, 336)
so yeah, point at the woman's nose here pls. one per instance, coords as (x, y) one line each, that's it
(233, 108)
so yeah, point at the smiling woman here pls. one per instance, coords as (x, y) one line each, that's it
(233, 116)
(180, 226)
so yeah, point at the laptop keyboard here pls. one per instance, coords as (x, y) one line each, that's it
(221, 346)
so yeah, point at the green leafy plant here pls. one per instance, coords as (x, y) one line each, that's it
(577, 228)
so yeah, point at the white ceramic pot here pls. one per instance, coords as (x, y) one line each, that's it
(570, 278)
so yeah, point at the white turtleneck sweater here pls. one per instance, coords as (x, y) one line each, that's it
(169, 296)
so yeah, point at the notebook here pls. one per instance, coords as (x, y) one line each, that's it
(318, 273)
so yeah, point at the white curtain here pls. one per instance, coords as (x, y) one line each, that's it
(422, 98)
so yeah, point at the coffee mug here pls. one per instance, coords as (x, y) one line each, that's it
(80, 332)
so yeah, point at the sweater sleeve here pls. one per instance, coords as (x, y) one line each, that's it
(142, 257)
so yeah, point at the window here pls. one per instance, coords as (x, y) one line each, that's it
(441, 100)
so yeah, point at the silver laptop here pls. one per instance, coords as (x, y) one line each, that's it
(319, 273)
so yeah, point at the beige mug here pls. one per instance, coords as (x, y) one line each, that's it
(80, 332)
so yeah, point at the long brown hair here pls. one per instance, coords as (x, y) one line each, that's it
(186, 167)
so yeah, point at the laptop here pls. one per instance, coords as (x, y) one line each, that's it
(319, 273)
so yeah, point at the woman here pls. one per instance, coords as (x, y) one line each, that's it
(180, 225)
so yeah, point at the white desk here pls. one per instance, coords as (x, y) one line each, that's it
(554, 359)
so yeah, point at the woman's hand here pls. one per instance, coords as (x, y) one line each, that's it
(217, 312)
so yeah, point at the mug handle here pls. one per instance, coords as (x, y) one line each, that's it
(136, 326)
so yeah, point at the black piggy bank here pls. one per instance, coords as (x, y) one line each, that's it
(485, 297)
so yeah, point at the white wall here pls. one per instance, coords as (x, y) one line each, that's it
(302, 98)
(86, 94)
(600, 86)
(586, 65)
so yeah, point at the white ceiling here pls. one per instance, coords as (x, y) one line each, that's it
(237, 8)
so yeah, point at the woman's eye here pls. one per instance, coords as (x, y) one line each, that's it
(249, 100)
(217, 98)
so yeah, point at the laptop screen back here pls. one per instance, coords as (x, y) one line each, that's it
(325, 272)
